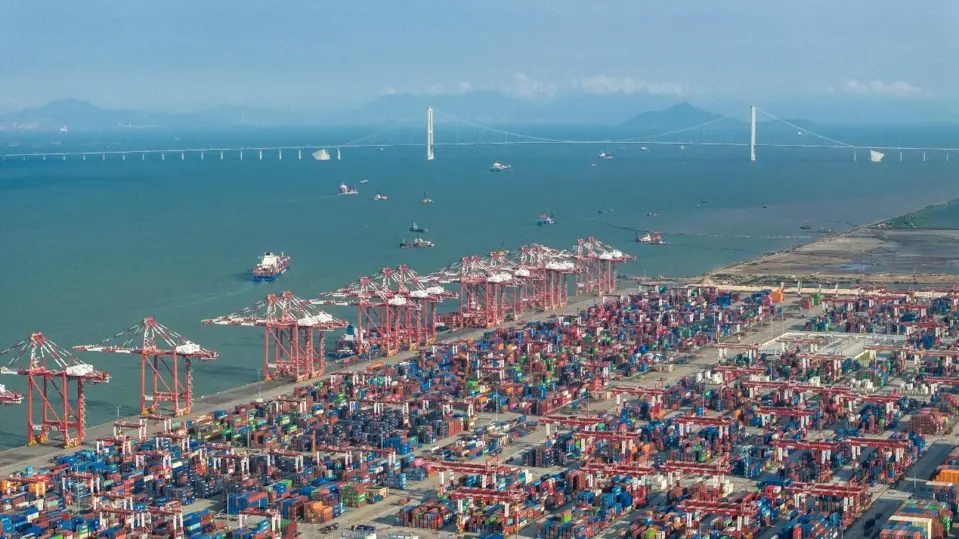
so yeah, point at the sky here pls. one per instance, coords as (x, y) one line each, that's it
(313, 56)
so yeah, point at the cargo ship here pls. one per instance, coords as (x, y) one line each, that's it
(418, 243)
(650, 238)
(499, 167)
(271, 266)
(604, 155)
(416, 229)
(545, 219)
(347, 190)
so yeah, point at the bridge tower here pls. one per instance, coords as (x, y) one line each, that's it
(752, 133)
(429, 134)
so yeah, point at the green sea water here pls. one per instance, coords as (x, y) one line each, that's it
(90, 247)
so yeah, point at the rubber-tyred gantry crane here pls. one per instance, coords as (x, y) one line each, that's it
(294, 340)
(166, 386)
(379, 311)
(597, 266)
(50, 372)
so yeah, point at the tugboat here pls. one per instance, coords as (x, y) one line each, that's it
(604, 155)
(426, 199)
(380, 197)
(271, 266)
(416, 229)
(499, 167)
(650, 238)
(347, 190)
(418, 243)
(545, 219)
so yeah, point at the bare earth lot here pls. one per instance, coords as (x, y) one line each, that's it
(866, 255)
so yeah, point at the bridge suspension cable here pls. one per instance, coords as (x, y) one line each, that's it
(804, 130)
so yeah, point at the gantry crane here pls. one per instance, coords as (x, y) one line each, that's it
(294, 342)
(379, 311)
(161, 351)
(50, 372)
(487, 496)
(741, 511)
(597, 263)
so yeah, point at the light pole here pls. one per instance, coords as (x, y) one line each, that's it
(259, 383)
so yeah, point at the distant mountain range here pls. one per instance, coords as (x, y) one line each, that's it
(481, 107)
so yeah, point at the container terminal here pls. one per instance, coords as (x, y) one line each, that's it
(662, 411)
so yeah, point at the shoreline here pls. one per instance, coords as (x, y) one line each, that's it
(14, 459)
(836, 259)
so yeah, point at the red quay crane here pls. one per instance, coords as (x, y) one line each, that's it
(293, 335)
(417, 325)
(597, 264)
(161, 352)
(487, 290)
(50, 371)
(546, 272)
(379, 312)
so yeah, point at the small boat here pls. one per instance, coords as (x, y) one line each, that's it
(380, 197)
(652, 214)
(650, 238)
(643, 149)
(416, 229)
(805, 227)
(426, 199)
(271, 266)
(604, 155)
(364, 181)
(499, 167)
(545, 219)
(347, 190)
(418, 243)
(321, 155)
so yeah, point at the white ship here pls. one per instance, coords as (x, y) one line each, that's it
(875, 156)
(499, 167)
(604, 155)
(347, 190)
(321, 155)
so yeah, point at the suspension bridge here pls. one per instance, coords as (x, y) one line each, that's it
(724, 131)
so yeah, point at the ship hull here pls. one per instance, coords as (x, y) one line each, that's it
(268, 277)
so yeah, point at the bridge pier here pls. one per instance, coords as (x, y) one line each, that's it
(429, 135)
(900, 156)
(64, 158)
(923, 156)
(221, 155)
(241, 155)
(752, 133)
(201, 156)
(261, 155)
(103, 156)
(182, 156)
(123, 157)
(143, 157)
(44, 157)
(162, 157)
(279, 154)
(299, 155)
(84, 157)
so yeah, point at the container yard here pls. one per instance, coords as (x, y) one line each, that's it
(665, 411)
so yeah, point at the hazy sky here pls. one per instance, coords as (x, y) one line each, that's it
(322, 56)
